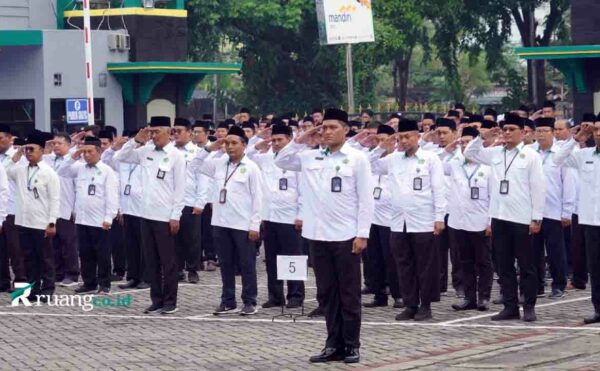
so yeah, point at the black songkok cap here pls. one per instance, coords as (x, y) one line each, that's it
(470, 131)
(429, 115)
(281, 129)
(236, 130)
(490, 112)
(245, 110)
(248, 125)
(407, 125)
(307, 119)
(549, 104)
(92, 141)
(545, 122)
(459, 106)
(446, 122)
(4, 128)
(182, 122)
(514, 119)
(336, 114)
(587, 117)
(453, 113)
(475, 118)
(158, 121)
(229, 122)
(385, 129)
(36, 138)
(223, 125)
(529, 123)
(488, 124)
(105, 134)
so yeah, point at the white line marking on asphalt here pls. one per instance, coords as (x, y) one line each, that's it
(492, 314)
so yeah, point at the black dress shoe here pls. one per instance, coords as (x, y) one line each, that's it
(529, 315)
(506, 315)
(398, 303)
(483, 305)
(406, 314)
(317, 312)
(181, 276)
(130, 284)
(423, 314)
(193, 277)
(460, 293)
(593, 319)
(328, 355)
(366, 291)
(464, 305)
(293, 304)
(271, 304)
(352, 355)
(143, 285)
(375, 304)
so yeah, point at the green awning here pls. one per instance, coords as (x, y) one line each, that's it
(150, 74)
(21, 37)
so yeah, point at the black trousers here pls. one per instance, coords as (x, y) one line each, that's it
(11, 254)
(416, 257)
(207, 244)
(38, 256)
(512, 241)
(117, 248)
(578, 251)
(136, 269)
(236, 250)
(66, 256)
(592, 249)
(383, 267)
(476, 263)
(551, 236)
(187, 240)
(282, 239)
(568, 253)
(94, 252)
(337, 272)
(446, 246)
(161, 261)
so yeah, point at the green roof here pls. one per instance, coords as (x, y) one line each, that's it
(20, 37)
(174, 67)
(559, 52)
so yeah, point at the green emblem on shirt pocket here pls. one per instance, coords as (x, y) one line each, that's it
(346, 161)
(421, 161)
(522, 155)
(243, 170)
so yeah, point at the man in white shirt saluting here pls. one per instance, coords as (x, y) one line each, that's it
(338, 210)
(163, 179)
(517, 198)
(96, 205)
(38, 201)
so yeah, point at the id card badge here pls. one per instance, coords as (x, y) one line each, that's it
(377, 193)
(35, 193)
(283, 186)
(336, 184)
(91, 190)
(474, 193)
(223, 196)
(504, 187)
(127, 190)
(161, 174)
(417, 184)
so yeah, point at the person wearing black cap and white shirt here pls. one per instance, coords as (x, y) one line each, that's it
(37, 189)
(338, 210)
(250, 131)
(468, 223)
(560, 204)
(130, 209)
(317, 116)
(428, 122)
(382, 267)
(487, 125)
(460, 108)
(11, 255)
(187, 242)
(236, 216)
(517, 198)
(587, 163)
(490, 114)
(548, 109)
(419, 206)
(280, 212)
(528, 132)
(96, 205)
(106, 139)
(163, 179)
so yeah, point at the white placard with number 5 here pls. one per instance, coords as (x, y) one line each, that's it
(292, 267)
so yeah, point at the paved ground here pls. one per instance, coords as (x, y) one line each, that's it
(64, 338)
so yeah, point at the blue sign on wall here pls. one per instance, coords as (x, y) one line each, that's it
(77, 111)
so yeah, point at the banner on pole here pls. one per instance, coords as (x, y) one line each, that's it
(345, 21)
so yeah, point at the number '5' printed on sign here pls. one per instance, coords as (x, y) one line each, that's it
(292, 268)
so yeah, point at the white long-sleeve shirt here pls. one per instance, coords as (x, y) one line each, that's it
(383, 206)
(130, 183)
(587, 163)
(6, 159)
(561, 187)
(162, 199)
(279, 205)
(244, 191)
(327, 215)
(3, 195)
(30, 182)
(465, 213)
(526, 196)
(102, 204)
(417, 209)
(196, 185)
(67, 185)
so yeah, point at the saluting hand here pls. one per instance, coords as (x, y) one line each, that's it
(492, 133)
(263, 146)
(451, 147)
(118, 143)
(143, 135)
(264, 133)
(308, 136)
(584, 133)
(359, 245)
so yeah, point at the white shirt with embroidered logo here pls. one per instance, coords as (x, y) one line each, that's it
(100, 207)
(327, 215)
(196, 185)
(129, 175)
(162, 199)
(67, 185)
(526, 196)
(32, 212)
(417, 209)
(6, 159)
(244, 190)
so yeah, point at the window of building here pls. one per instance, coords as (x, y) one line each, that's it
(19, 114)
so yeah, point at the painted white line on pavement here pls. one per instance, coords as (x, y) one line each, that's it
(238, 318)
(492, 314)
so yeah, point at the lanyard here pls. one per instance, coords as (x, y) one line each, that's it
(131, 170)
(546, 156)
(379, 181)
(511, 162)
(227, 177)
(469, 177)
(30, 177)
